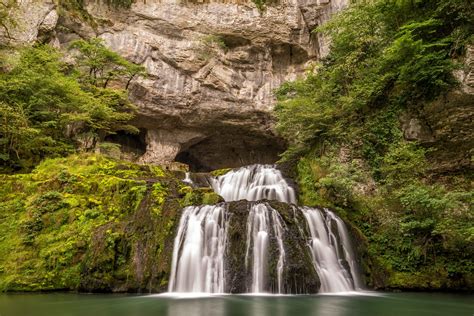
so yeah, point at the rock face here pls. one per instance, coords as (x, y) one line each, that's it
(212, 68)
(33, 18)
(299, 276)
(446, 124)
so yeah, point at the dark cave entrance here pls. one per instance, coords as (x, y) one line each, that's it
(129, 143)
(230, 151)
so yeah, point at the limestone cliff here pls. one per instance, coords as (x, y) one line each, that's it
(212, 68)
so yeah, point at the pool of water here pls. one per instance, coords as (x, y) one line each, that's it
(396, 304)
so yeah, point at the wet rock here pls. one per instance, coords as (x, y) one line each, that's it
(299, 275)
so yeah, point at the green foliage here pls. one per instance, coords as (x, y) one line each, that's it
(402, 163)
(383, 54)
(45, 110)
(79, 5)
(260, 4)
(120, 3)
(413, 228)
(343, 125)
(210, 45)
(158, 193)
(101, 66)
(198, 196)
(220, 172)
(67, 215)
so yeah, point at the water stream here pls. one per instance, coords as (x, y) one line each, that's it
(198, 255)
(254, 183)
(328, 258)
(263, 221)
(200, 246)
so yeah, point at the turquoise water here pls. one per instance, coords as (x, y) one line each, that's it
(399, 304)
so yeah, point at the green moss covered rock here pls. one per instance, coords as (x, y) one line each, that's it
(87, 222)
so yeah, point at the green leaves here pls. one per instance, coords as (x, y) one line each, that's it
(384, 54)
(45, 109)
(343, 123)
(100, 66)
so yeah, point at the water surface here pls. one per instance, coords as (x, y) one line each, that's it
(400, 304)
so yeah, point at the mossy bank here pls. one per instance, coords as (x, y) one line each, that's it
(89, 223)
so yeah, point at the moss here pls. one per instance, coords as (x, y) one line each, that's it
(220, 172)
(413, 233)
(74, 221)
(199, 196)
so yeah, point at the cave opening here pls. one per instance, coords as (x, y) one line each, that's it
(134, 144)
(230, 151)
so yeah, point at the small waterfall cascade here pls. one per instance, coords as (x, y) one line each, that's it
(199, 247)
(261, 222)
(254, 183)
(331, 249)
(187, 178)
(348, 250)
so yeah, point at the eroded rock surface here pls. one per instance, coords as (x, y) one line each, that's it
(212, 68)
(446, 124)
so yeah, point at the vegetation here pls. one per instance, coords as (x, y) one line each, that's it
(343, 123)
(100, 66)
(6, 20)
(210, 45)
(49, 108)
(79, 222)
(79, 4)
(87, 222)
(260, 4)
(77, 10)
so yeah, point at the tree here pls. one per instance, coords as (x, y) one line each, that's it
(45, 109)
(100, 66)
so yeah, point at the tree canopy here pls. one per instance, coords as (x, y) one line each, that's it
(49, 108)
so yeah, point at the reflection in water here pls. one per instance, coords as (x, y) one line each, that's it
(196, 307)
(332, 306)
(406, 304)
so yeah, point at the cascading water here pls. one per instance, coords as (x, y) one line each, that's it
(187, 178)
(348, 250)
(327, 257)
(200, 246)
(198, 255)
(261, 222)
(254, 183)
(278, 228)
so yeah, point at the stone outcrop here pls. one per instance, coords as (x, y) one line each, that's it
(212, 67)
(32, 18)
(299, 276)
(445, 125)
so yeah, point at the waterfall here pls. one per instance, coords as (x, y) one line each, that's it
(198, 254)
(278, 228)
(262, 221)
(326, 249)
(187, 178)
(348, 250)
(198, 263)
(253, 183)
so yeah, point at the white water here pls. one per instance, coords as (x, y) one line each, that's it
(187, 178)
(327, 258)
(253, 183)
(199, 248)
(278, 228)
(348, 250)
(261, 222)
(198, 254)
